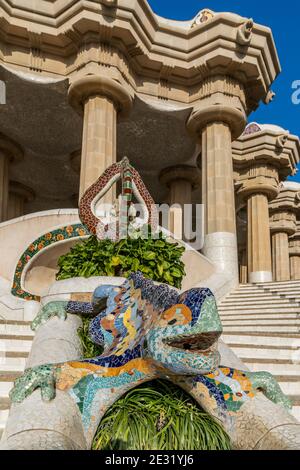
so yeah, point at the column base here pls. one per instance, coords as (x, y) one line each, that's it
(260, 276)
(221, 249)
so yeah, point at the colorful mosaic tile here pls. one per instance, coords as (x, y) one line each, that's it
(252, 128)
(148, 332)
(55, 236)
(131, 184)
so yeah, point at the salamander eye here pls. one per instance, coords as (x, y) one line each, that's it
(172, 322)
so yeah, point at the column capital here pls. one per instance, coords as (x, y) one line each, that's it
(22, 191)
(11, 149)
(283, 221)
(294, 248)
(285, 209)
(94, 85)
(221, 99)
(110, 3)
(257, 178)
(181, 172)
(263, 156)
(294, 242)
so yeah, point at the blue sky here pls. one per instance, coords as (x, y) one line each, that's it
(284, 20)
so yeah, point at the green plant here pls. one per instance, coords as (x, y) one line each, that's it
(89, 349)
(159, 416)
(158, 259)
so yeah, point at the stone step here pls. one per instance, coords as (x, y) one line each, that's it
(11, 315)
(282, 293)
(293, 299)
(279, 290)
(10, 376)
(277, 284)
(12, 364)
(3, 418)
(252, 299)
(228, 329)
(259, 317)
(281, 355)
(245, 294)
(263, 303)
(5, 388)
(269, 321)
(292, 389)
(255, 308)
(286, 317)
(262, 341)
(249, 290)
(279, 334)
(12, 344)
(279, 370)
(246, 286)
(16, 330)
(261, 299)
(4, 404)
(292, 326)
(14, 322)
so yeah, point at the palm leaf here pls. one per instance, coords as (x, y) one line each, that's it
(159, 416)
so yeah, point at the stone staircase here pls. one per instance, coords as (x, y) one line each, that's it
(15, 344)
(262, 325)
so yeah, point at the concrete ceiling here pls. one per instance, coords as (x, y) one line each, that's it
(38, 117)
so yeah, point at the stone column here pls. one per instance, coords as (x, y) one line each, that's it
(259, 241)
(181, 181)
(100, 99)
(218, 118)
(294, 245)
(262, 156)
(283, 212)
(19, 195)
(243, 266)
(295, 259)
(280, 253)
(9, 152)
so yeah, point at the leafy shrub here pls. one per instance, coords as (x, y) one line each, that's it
(159, 416)
(158, 259)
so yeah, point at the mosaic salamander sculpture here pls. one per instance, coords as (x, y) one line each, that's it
(147, 332)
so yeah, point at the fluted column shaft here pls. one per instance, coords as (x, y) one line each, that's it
(218, 197)
(283, 223)
(295, 267)
(294, 246)
(181, 192)
(100, 99)
(259, 240)
(19, 194)
(4, 185)
(99, 143)
(217, 178)
(243, 268)
(181, 181)
(218, 118)
(281, 257)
